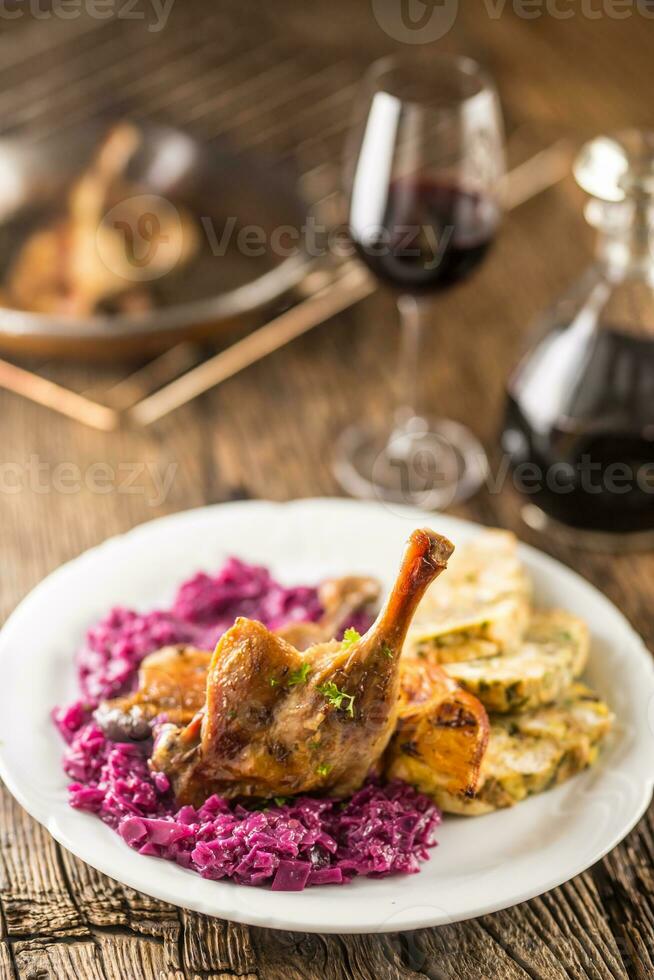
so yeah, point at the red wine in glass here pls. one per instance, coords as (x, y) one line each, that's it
(422, 168)
(433, 234)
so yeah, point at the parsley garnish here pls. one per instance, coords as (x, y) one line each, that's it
(350, 637)
(314, 744)
(323, 770)
(336, 697)
(281, 800)
(274, 682)
(386, 650)
(300, 675)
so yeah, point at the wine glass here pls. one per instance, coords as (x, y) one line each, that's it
(422, 172)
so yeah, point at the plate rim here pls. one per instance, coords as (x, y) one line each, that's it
(268, 918)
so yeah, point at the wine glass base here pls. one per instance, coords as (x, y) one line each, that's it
(428, 463)
(604, 541)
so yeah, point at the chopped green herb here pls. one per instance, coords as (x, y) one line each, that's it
(232, 713)
(274, 682)
(350, 637)
(314, 744)
(336, 697)
(300, 675)
(281, 800)
(386, 650)
(323, 770)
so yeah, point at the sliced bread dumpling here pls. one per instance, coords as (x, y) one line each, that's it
(481, 606)
(529, 753)
(552, 655)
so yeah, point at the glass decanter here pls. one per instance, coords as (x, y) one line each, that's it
(579, 423)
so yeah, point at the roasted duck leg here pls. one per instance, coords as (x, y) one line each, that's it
(438, 744)
(173, 681)
(279, 722)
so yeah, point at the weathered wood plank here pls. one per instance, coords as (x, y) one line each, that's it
(35, 895)
(38, 960)
(461, 952)
(129, 956)
(304, 956)
(624, 883)
(560, 938)
(102, 898)
(213, 946)
(6, 962)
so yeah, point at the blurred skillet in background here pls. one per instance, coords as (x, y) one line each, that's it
(120, 239)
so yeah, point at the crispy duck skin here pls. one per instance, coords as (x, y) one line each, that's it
(277, 721)
(173, 681)
(441, 734)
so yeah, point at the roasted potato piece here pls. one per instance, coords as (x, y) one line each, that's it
(441, 734)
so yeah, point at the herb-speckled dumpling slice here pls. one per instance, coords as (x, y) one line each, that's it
(482, 607)
(553, 655)
(529, 753)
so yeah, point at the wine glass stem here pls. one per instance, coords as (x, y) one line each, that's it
(408, 403)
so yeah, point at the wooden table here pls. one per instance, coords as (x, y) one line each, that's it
(268, 433)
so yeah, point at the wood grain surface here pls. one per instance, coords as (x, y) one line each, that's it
(269, 431)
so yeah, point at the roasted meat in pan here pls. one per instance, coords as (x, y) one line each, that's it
(278, 721)
(80, 260)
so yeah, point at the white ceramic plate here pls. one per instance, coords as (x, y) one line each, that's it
(482, 864)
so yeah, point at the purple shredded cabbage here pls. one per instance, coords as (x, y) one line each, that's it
(286, 845)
